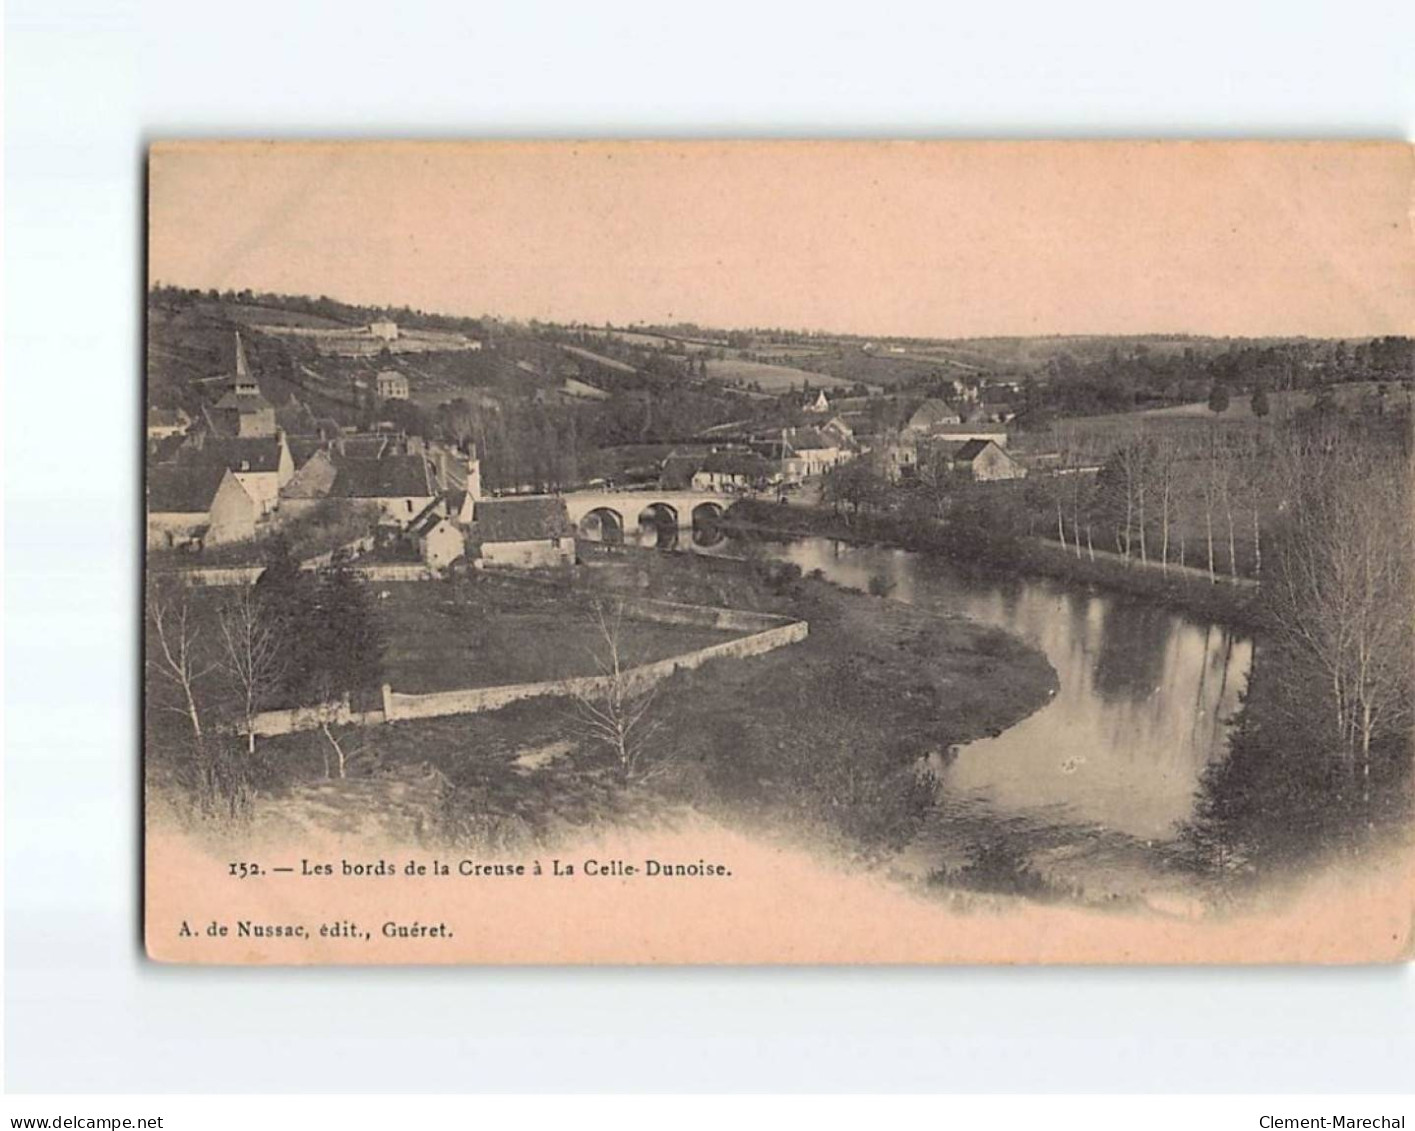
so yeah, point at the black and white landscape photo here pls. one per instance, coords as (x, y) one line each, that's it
(704, 552)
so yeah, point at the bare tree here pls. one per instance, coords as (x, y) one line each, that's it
(253, 654)
(1164, 466)
(178, 661)
(1340, 588)
(616, 709)
(1213, 487)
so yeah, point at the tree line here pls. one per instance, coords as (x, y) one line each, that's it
(1320, 754)
(217, 660)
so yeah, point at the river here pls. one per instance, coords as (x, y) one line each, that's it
(1092, 787)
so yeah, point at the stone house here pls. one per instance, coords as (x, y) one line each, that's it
(401, 485)
(440, 541)
(808, 452)
(262, 465)
(310, 484)
(165, 422)
(932, 414)
(984, 461)
(733, 471)
(390, 385)
(523, 533)
(200, 504)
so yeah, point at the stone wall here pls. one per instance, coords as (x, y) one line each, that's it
(308, 718)
(369, 571)
(767, 633)
(398, 705)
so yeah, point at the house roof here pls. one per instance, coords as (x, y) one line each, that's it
(810, 439)
(314, 480)
(519, 520)
(363, 447)
(184, 488)
(303, 448)
(747, 464)
(390, 375)
(240, 453)
(167, 418)
(961, 432)
(679, 467)
(427, 519)
(165, 449)
(393, 477)
(932, 411)
(970, 450)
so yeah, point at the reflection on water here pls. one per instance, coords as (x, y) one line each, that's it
(1144, 693)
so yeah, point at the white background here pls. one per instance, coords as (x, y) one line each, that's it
(88, 84)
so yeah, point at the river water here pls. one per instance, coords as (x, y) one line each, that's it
(1095, 783)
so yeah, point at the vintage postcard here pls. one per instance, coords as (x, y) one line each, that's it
(779, 552)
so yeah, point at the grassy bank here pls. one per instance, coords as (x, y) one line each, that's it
(478, 631)
(822, 738)
(978, 549)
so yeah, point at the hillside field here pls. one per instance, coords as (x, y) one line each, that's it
(772, 378)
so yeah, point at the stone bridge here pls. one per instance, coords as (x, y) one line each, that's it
(611, 513)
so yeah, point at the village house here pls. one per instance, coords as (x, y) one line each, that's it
(401, 485)
(262, 465)
(390, 385)
(385, 331)
(985, 462)
(439, 540)
(819, 404)
(931, 415)
(733, 471)
(310, 485)
(242, 411)
(196, 506)
(838, 427)
(165, 422)
(808, 452)
(897, 457)
(525, 533)
(962, 433)
(964, 392)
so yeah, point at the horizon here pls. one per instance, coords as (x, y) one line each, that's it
(656, 327)
(892, 240)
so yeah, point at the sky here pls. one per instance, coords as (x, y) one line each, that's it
(923, 239)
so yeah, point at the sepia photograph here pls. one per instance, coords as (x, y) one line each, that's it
(778, 552)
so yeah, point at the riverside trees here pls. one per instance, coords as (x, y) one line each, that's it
(217, 658)
(1320, 756)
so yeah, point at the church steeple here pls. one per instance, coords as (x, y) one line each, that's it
(242, 369)
(244, 411)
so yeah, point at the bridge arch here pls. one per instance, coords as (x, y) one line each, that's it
(603, 524)
(708, 513)
(658, 515)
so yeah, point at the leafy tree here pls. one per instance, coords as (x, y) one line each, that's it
(1218, 398)
(1260, 402)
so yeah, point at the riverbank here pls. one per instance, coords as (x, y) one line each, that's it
(975, 549)
(822, 740)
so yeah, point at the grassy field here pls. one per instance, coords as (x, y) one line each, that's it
(819, 739)
(1240, 407)
(599, 359)
(477, 632)
(883, 370)
(772, 378)
(248, 314)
